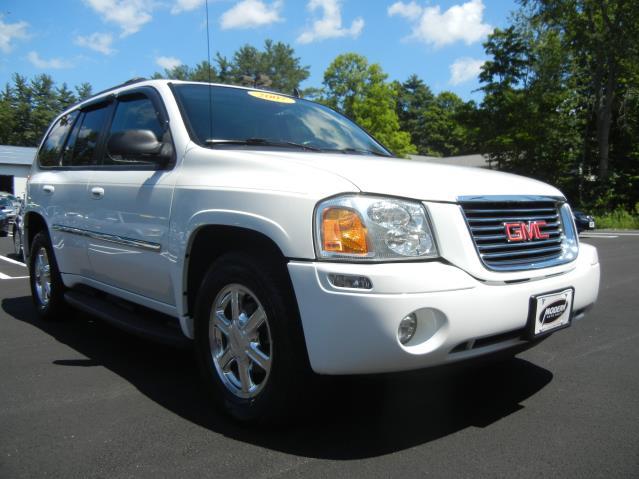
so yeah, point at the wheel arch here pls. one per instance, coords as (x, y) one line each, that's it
(209, 242)
(33, 224)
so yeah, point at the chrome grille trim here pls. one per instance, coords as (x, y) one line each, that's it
(485, 217)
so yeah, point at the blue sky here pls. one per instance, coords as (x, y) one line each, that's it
(106, 42)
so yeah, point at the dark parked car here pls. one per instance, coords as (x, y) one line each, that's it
(583, 221)
(5, 226)
(7, 216)
(18, 229)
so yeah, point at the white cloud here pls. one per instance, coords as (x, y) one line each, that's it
(129, 15)
(52, 64)
(100, 42)
(186, 6)
(459, 23)
(330, 25)
(10, 32)
(409, 10)
(464, 69)
(251, 14)
(168, 63)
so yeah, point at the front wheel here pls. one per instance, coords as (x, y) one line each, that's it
(249, 339)
(47, 289)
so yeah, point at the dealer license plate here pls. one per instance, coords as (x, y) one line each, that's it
(549, 312)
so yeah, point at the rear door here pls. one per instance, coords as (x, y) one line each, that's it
(58, 184)
(130, 205)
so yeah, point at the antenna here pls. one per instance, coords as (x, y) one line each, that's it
(208, 58)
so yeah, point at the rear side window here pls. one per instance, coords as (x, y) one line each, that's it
(83, 142)
(51, 151)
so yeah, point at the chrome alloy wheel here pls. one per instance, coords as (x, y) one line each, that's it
(241, 341)
(42, 273)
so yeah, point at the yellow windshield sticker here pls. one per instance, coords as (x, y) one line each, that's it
(271, 97)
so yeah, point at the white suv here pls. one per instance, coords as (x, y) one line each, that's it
(279, 238)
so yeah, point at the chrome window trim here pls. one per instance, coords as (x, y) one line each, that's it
(146, 245)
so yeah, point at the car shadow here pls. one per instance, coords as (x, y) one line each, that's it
(349, 418)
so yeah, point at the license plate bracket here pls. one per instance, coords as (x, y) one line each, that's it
(549, 312)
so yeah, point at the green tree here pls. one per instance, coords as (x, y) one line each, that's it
(83, 91)
(7, 119)
(413, 100)
(23, 134)
(598, 34)
(276, 68)
(529, 120)
(64, 98)
(360, 91)
(44, 106)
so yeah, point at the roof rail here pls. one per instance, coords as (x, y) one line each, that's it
(128, 82)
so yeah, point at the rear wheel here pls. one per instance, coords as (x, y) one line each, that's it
(249, 340)
(47, 289)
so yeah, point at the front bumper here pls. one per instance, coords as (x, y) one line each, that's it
(355, 331)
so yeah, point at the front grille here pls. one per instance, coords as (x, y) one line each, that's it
(486, 221)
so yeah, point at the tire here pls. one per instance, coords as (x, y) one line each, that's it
(47, 289)
(268, 383)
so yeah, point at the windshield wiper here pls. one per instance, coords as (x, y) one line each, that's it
(362, 151)
(261, 142)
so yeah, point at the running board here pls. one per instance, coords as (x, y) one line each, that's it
(141, 322)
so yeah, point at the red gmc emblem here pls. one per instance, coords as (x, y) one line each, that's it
(522, 231)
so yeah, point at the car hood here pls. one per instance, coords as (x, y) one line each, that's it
(417, 179)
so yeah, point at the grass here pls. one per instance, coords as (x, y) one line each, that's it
(618, 219)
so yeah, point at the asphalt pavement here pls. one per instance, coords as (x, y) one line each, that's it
(79, 398)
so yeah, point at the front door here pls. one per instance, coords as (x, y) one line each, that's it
(130, 205)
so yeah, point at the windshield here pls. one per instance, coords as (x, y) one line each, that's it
(257, 118)
(5, 203)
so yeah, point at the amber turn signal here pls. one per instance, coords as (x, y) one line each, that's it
(343, 231)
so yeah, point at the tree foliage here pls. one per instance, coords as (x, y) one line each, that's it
(28, 107)
(560, 98)
(439, 125)
(275, 67)
(360, 91)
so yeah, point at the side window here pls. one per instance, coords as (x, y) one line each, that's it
(50, 153)
(83, 141)
(136, 112)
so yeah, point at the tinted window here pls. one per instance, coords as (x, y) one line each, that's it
(135, 113)
(239, 114)
(50, 153)
(84, 139)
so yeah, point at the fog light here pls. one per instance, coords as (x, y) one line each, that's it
(407, 328)
(349, 281)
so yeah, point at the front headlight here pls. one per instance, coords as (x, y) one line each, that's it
(371, 228)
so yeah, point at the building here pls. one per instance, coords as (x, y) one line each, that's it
(15, 165)
(476, 161)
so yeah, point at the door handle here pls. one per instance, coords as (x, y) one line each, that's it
(97, 192)
(48, 189)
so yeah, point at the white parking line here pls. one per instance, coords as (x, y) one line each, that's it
(589, 235)
(4, 276)
(9, 260)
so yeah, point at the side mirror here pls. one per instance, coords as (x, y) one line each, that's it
(141, 144)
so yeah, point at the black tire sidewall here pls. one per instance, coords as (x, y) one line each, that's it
(286, 375)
